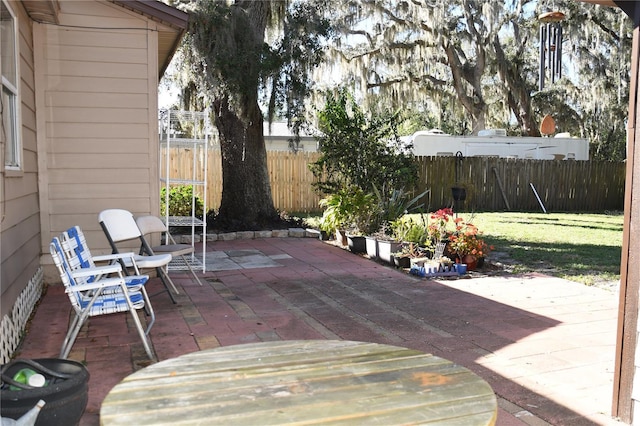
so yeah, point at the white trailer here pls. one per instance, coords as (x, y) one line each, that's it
(495, 143)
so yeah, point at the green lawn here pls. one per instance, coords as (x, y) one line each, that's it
(579, 247)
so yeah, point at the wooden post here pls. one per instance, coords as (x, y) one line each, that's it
(629, 272)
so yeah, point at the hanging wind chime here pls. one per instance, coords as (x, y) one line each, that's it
(550, 46)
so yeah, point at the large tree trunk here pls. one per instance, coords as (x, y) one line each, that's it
(246, 190)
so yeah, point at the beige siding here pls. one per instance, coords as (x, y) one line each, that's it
(99, 91)
(19, 225)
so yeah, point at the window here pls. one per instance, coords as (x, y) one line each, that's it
(9, 104)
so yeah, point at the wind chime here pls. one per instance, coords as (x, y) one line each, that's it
(550, 46)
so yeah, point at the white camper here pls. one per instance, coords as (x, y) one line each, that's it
(495, 143)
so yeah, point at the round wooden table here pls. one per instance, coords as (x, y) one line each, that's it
(302, 382)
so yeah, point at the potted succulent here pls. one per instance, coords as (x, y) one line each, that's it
(414, 235)
(402, 258)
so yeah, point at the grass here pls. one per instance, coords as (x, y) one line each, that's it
(579, 247)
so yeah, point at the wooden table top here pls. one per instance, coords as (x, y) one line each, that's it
(302, 382)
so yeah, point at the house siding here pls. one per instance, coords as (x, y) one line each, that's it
(99, 96)
(20, 224)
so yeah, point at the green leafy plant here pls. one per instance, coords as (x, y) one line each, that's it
(393, 204)
(412, 231)
(181, 199)
(360, 150)
(349, 208)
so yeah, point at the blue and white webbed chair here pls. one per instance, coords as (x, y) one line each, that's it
(107, 293)
(79, 256)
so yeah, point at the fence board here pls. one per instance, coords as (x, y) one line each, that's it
(561, 185)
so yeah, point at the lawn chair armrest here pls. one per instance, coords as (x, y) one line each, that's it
(113, 256)
(105, 282)
(98, 270)
(129, 259)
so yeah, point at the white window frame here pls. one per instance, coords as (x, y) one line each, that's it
(10, 105)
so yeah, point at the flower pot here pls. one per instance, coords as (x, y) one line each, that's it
(458, 193)
(402, 261)
(357, 243)
(372, 247)
(385, 248)
(470, 261)
(461, 268)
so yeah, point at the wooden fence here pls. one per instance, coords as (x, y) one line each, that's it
(500, 184)
(491, 184)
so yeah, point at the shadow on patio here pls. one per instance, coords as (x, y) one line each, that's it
(545, 345)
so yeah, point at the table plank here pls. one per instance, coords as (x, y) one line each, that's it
(304, 382)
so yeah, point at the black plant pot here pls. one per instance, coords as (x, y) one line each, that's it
(65, 396)
(402, 261)
(458, 193)
(357, 243)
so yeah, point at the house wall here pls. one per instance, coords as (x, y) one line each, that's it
(97, 80)
(20, 224)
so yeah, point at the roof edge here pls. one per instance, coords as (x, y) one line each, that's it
(157, 10)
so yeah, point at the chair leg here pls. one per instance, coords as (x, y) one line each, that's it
(74, 328)
(193, 272)
(167, 282)
(149, 310)
(141, 332)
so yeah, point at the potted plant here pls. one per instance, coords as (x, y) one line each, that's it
(408, 251)
(349, 212)
(466, 244)
(414, 235)
(336, 215)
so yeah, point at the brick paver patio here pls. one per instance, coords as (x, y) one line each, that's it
(545, 345)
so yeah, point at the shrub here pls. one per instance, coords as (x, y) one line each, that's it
(360, 150)
(181, 199)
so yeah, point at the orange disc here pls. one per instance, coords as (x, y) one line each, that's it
(548, 126)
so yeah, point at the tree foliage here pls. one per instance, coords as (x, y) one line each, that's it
(476, 64)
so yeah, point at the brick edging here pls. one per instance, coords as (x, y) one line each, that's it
(249, 235)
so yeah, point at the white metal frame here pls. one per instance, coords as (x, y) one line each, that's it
(198, 143)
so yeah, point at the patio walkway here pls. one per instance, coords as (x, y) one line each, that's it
(545, 345)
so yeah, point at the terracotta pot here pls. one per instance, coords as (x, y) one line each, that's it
(470, 261)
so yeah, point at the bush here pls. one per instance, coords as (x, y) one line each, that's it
(181, 199)
(361, 151)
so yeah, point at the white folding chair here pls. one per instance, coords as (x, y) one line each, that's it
(106, 294)
(118, 226)
(182, 253)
